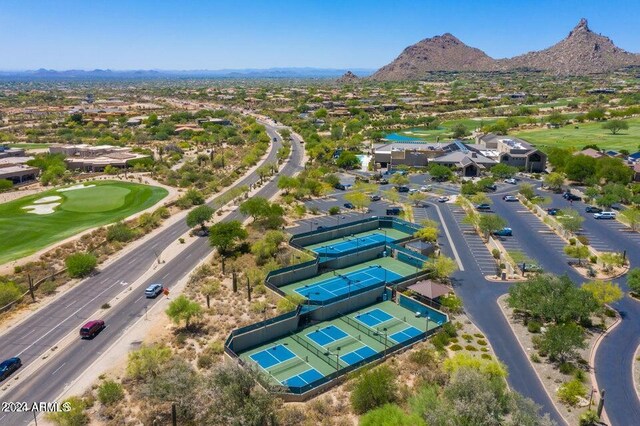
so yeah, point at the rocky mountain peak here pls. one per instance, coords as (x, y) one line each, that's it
(348, 77)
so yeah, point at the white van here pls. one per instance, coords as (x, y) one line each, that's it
(605, 215)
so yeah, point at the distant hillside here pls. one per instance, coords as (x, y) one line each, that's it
(582, 52)
(439, 53)
(249, 73)
(348, 77)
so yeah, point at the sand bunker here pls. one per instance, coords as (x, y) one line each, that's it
(74, 187)
(47, 199)
(42, 208)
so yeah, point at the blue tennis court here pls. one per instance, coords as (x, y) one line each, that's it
(303, 379)
(352, 243)
(373, 317)
(272, 356)
(340, 285)
(406, 334)
(358, 355)
(327, 335)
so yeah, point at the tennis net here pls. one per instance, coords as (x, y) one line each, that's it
(285, 366)
(366, 330)
(311, 348)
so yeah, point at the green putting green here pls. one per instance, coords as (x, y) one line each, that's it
(68, 212)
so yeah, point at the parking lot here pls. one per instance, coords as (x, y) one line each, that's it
(481, 254)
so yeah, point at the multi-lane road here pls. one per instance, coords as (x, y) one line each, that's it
(43, 330)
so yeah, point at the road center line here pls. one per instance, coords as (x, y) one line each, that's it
(67, 318)
(56, 370)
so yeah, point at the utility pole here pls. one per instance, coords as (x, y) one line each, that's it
(248, 290)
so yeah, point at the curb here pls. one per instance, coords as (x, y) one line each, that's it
(592, 358)
(504, 315)
(633, 372)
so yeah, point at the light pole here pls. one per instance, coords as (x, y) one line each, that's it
(426, 332)
(338, 358)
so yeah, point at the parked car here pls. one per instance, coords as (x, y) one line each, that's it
(321, 228)
(491, 187)
(426, 188)
(510, 198)
(504, 232)
(402, 188)
(90, 329)
(512, 181)
(375, 198)
(483, 207)
(553, 211)
(604, 215)
(443, 199)
(154, 290)
(394, 211)
(349, 206)
(532, 267)
(383, 181)
(571, 197)
(413, 191)
(593, 209)
(8, 366)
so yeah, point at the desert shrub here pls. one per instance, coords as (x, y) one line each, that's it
(334, 210)
(110, 392)
(373, 389)
(147, 361)
(455, 347)
(74, 416)
(471, 348)
(205, 361)
(593, 259)
(485, 356)
(440, 340)
(467, 337)
(589, 418)
(80, 264)
(120, 232)
(534, 357)
(9, 292)
(215, 348)
(495, 253)
(390, 414)
(572, 241)
(48, 287)
(571, 392)
(424, 356)
(482, 342)
(567, 368)
(534, 326)
(583, 239)
(450, 329)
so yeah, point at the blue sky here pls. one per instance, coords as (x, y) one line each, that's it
(192, 34)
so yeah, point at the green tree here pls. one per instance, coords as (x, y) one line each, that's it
(80, 264)
(391, 195)
(577, 251)
(348, 160)
(199, 216)
(373, 389)
(489, 223)
(440, 172)
(289, 302)
(224, 235)
(110, 392)
(562, 341)
(359, 200)
(417, 197)
(633, 280)
(580, 167)
(441, 267)
(571, 392)
(554, 181)
(570, 220)
(399, 179)
(614, 126)
(5, 185)
(481, 198)
(147, 361)
(427, 233)
(614, 170)
(288, 183)
(120, 232)
(552, 298)
(604, 292)
(183, 309)
(611, 259)
(459, 131)
(503, 171)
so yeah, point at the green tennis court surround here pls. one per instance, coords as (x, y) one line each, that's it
(351, 316)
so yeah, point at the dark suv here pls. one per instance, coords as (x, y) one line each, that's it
(592, 209)
(9, 366)
(394, 211)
